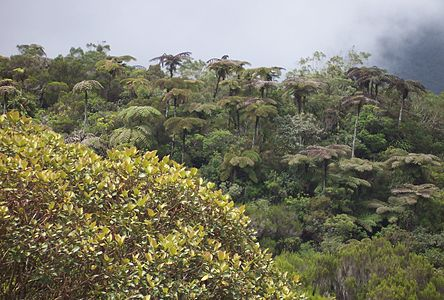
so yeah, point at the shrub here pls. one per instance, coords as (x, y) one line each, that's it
(75, 225)
(366, 269)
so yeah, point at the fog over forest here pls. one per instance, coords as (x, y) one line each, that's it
(392, 31)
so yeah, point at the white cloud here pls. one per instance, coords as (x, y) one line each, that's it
(263, 32)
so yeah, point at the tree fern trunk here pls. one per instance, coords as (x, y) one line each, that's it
(85, 120)
(303, 100)
(183, 146)
(256, 127)
(5, 103)
(299, 104)
(324, 181)
(354, 134)
(173, 144)
(175, 107)
(217, 87)
(233, 174)
(401, 110)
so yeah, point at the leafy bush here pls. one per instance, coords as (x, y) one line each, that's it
(75, 225)
(367, 269)
(276, 222)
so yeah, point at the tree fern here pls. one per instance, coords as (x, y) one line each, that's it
(201, 108)
(297, 159)
(369, 221)
(171, 62)
(139, 136)
(412, 159)
(177, 125)
(359, 165)
(182, 126)
(223, 67)
(236, 160)
(324, 155)
(86, 86)
(299, 88)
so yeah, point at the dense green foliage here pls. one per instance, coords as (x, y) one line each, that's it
(75, 225)
(367, 269)
(332, 153)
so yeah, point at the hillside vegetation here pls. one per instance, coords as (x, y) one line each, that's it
(338, 164)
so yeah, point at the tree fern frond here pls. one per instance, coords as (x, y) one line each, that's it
(177, 125)
(138, 115)
(369, 221)
(418, 159)
(86, 85)
(8, 90)
(139, 136)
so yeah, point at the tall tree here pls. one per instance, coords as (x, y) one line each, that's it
(86, 86)
(404, 87)
(295, 131)
(171, 62)
(31, 50)
(357, 101)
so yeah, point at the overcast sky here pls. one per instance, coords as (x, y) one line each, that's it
(265, 33)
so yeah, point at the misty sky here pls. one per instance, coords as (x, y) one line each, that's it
(265, 33)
